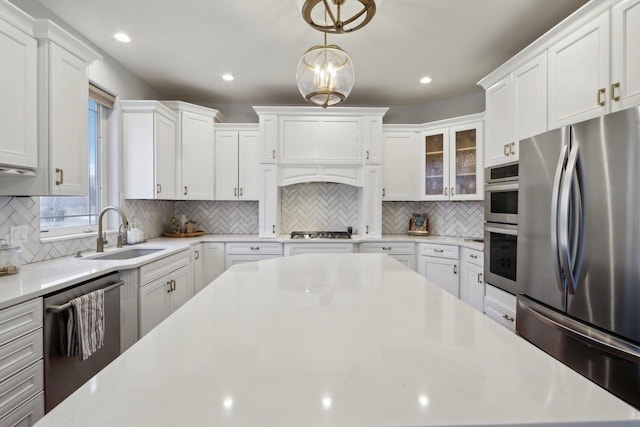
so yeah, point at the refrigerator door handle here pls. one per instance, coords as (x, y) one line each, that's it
(577, 222)
(555, 201)
(579, 331)
(564, 232)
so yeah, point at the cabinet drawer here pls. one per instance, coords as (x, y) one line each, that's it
(500, 314)
(388, 247)
(249, 248)
(153, 270)
(440, 251)
(20, 319)
(474, 257)
(17, 389)
(20, 353)
(26, 414)
(318, 248)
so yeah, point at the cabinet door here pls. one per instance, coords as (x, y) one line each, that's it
(165, 157)
(407, 260)
(400, 169)
(18, 104)
(625, 55)
(466, 179)
(68, 123)
(197, 267)
(154, 304)
(530, 97)
(197, 149)
(372, 140)
(371, 200)
(213, 262)
(226, 165)
(248, 172)
(499, 122)
(182, 288)
(579, 74)
(435, 165)
(320, 140)
(441, 271)
(269, 203)
(268, 138)
(472, 286)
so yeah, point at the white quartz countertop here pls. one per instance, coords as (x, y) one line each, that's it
(47, 277)
(334, 340)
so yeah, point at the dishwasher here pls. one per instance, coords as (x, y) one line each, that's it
(63, 375)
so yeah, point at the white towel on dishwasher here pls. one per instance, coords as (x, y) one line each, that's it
(85, 325)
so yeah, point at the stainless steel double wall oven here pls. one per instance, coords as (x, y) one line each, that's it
(501, 226)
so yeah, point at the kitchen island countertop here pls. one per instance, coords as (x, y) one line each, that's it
(334, 340)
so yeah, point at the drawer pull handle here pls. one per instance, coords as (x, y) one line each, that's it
(273, 229)
(384, 193)
(240, 191)
(455, 269)
(479, 277)
(367, 229)
(512, 148)
(474, 256)
(508, 318)
(438, 250)
(169, 286)
(255, 248)
(274, 154)
(235, 192)
(506, 149)
(158, 188)
(61, 172)
(185, 190)
(197, 254)
(386, 248)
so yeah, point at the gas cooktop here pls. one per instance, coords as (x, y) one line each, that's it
(320, 235)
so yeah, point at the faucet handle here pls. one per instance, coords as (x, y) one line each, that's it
(104, 238)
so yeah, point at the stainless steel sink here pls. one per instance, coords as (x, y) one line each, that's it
(125, 254)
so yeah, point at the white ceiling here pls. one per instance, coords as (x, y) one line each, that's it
(181, 48)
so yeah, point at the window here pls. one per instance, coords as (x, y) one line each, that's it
(75, 215)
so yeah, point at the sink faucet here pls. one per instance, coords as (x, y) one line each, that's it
(103, 239)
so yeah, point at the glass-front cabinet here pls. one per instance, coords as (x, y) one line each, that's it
(452, 163)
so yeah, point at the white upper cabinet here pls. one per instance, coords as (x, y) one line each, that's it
(579, 73)
(400, 170)
(150, 132)
(372, 140)
(516, 108)
(236, 162)
(451, 168)
(195, 147)
(625, 55)
(62, 116)
(18, 86)
(268, 128)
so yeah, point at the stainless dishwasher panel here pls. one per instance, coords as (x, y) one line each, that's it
(63, 375)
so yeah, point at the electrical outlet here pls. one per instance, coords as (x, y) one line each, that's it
(19, 234)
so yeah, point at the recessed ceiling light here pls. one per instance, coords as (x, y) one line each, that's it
(426, 80)
(122, 37)
(228, 77)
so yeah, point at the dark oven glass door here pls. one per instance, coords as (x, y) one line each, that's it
(501, 255)
(501, 203)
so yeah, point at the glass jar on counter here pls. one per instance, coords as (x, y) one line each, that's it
(10, 258)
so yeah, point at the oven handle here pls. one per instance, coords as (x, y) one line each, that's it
(501, 187)
(63, 307)
(511, 230)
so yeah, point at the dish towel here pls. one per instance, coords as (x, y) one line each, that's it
(85, 325)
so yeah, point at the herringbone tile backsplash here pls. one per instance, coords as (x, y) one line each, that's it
(221, 217)
(319, 206)
(460, 219)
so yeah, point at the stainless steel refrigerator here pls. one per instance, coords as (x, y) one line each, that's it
(579, 248)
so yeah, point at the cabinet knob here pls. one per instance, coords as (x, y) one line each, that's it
(601, 99)
(383, 192)
(235, 191)
(240, 191)
(615, 97)
(61, 173)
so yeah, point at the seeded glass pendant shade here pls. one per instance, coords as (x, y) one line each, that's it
(325, 75)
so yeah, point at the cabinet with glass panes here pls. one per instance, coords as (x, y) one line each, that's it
(452, 165)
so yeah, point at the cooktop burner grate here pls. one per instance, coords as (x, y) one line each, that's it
(320, 235)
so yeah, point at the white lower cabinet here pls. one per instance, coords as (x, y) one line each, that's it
(291, 249)
(165, 285)
(472, 278)
(400, 251)
(500, 306)
(243, 252)
(21, 367)
(439, 264)
(213, 254)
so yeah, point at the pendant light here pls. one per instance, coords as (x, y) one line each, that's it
(343, 16)
(325, 75)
